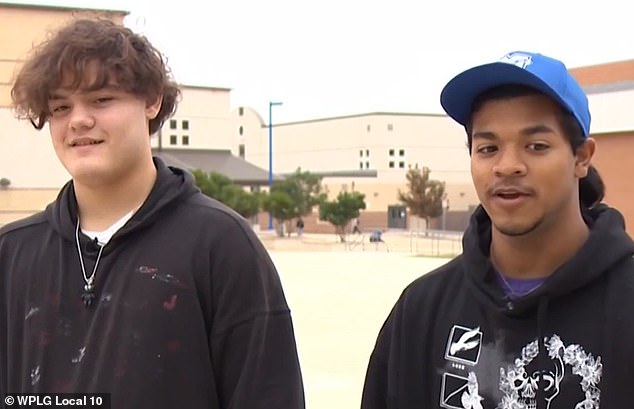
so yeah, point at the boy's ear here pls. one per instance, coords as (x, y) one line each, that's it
(583, 157)
(152, 109)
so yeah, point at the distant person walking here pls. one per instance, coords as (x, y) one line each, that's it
(300, 227)
(355, 226)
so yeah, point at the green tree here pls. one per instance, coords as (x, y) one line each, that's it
(281, 206)
(293, 197)
(304, 188)
(424, 195)
(340, 211)
(221, 188)
(245, 203)
(211, 183)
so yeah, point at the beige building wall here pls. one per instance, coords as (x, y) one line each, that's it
(19, 203)
(611, 111)
(249, 134)
(378, 196)
(388, 143)
(27, 157)
(202, 120)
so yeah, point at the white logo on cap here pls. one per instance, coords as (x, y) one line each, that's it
(518, 59)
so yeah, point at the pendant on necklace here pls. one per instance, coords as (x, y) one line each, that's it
(88, 295)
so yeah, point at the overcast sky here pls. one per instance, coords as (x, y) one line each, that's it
(343, 57)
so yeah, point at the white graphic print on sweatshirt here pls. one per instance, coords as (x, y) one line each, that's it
(518, 382)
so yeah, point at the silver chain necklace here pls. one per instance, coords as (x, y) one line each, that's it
(88, 295)
(511, 290)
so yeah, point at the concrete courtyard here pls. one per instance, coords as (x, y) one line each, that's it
(339, 300)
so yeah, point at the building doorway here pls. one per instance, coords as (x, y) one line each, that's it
(396, 217)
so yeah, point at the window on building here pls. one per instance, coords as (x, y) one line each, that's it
(401, 152)
(173, 139)
(361, 153)
(185, 139)
(360, 165)
(367, 165)
(390, 127)
(391, 151)
(368, 128)
(241, 130)
(367, 153)
(241, 150)
(241, 111)
(173, 123)
(391, 164)
(401, 165)
(185, 124)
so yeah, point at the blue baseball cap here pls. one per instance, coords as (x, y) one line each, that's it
(537, 71)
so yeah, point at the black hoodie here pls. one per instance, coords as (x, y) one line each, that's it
(454, 340)
(189, 309)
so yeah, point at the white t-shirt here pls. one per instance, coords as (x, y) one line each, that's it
(103, 237)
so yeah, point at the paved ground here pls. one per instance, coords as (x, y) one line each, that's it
(339, 300)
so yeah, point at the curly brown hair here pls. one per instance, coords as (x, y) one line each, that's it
(121, 54)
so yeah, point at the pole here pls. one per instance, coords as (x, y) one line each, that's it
(270, 158)
(445, 207)
(271, 104)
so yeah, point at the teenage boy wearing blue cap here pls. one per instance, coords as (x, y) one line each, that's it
(536, 312)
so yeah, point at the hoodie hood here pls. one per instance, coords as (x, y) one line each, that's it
(607, 245)
(171, 186)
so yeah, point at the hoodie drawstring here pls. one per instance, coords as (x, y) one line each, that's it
(543, 354)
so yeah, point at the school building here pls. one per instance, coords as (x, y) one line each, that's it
(365, 152)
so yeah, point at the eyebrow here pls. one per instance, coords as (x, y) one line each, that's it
(525, 132)
(57, 95)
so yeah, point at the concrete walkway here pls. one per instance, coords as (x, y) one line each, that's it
(339, 300)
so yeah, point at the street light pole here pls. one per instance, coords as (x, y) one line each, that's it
(271, 104)
(445, 208)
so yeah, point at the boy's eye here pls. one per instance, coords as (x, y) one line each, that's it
(538, 146)
(486, 149)
(102, 100)
(56, 109)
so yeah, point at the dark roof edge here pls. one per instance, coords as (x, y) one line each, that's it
(61, 8)
(367, 173)
(204, 87)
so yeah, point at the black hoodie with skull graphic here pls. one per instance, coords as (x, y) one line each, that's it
(454, 340)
